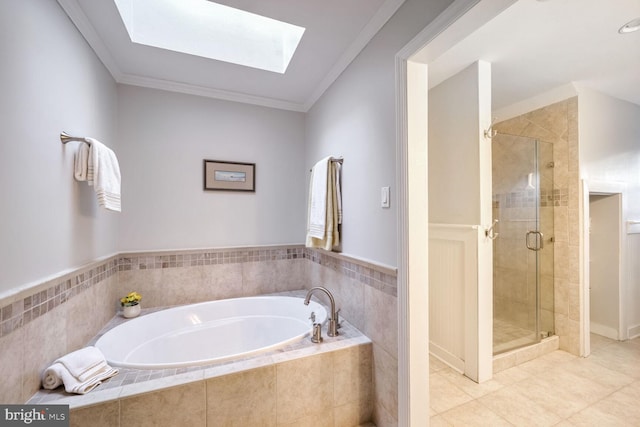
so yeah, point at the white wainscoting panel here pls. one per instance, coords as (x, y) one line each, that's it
(453, 278)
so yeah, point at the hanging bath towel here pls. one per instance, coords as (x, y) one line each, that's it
(98, 165)
(325, 206)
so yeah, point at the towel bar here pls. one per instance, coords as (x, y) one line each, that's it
(339, 160)
(65, 137)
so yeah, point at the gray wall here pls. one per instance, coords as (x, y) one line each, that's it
(51, 81)
(165, 137)
(356, 119)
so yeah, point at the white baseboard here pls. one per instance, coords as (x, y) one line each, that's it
(634, 332)
(446, 357)
(605, 331)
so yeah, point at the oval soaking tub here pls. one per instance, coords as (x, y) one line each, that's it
(209, 332)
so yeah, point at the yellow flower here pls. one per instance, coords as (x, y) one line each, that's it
(132, 298)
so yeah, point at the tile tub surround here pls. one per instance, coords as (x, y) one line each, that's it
(50, 319)
(361, 288)
(298, 384)
(371, 306)
(364, 292)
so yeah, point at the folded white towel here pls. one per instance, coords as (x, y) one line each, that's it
(80, 371)
(81, 363)
(103, 173)
(317, 223)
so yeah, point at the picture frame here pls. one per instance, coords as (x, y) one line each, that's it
(222, 175)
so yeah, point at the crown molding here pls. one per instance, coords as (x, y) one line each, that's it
(82, 23)
(386, 11)
(171, 86)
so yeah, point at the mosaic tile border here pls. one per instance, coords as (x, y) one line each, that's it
(19, 313)
(384, 281)
(149, 261)
(527, 199)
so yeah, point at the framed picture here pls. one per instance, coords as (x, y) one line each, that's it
(229, 176)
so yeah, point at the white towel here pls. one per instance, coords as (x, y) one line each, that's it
(317, 223)
(98, 165)
(81, 162)
(80, 371)
(325, 206)
(103, 172)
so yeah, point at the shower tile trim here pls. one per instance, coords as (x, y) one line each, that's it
(23, 307)
(528, 198)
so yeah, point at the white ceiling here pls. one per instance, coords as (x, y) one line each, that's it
(336, 31)
(534, 46)
(537, 46)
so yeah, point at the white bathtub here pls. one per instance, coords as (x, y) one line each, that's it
(204, 333)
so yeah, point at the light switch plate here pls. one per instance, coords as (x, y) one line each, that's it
(384, 197)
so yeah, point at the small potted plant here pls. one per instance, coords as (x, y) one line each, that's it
(131, 305)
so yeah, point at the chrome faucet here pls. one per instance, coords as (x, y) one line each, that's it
(332, 329)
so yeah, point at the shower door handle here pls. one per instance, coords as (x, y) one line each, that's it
(538, 242)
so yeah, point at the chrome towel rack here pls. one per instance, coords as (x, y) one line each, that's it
(65, 137)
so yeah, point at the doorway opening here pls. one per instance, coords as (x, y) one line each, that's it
(604, 264)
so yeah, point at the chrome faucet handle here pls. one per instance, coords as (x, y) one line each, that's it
(338, 325)
(316, 335)
(313, 317)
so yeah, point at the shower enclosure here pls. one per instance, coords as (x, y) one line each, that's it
(523, 200)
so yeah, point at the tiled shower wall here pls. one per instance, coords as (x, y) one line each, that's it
(55, 317)
(558, 124)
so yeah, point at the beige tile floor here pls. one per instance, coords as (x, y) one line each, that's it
(557, 389)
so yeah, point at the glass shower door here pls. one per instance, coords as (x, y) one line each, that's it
(523, 252)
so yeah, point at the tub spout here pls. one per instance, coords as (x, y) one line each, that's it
(332, 328)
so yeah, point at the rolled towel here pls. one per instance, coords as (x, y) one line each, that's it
(52, 377)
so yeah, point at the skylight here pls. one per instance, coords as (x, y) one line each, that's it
(211, 30)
